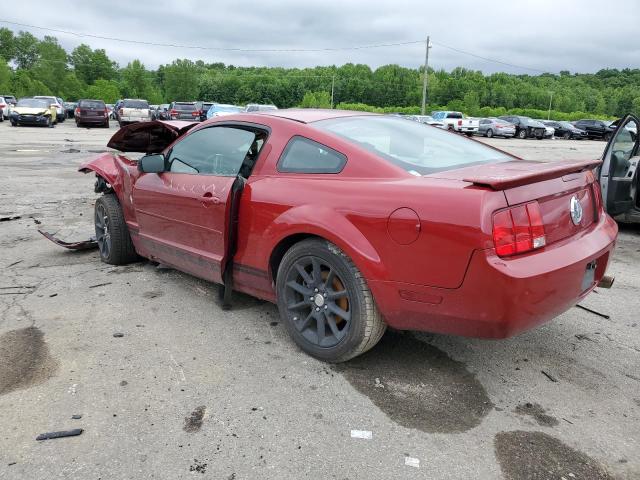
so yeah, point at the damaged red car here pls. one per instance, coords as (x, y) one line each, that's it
(353, 222)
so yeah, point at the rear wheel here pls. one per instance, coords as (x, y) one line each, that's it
(522, 134)
(325, 302)
(112, 234)
(489, 133)
(566, 136)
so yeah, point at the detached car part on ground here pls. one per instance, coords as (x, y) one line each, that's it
(351, 222)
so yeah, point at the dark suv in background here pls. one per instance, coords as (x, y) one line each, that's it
(566, 130)
(91, 112)
(595, 128)
(184, 111)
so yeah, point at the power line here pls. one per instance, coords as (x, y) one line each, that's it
(275, 50)
(219, 49)
(493, 60)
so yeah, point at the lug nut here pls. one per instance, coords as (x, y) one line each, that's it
(315, 290)
(317, 309)
(325, 295)
(311, 299)
(325, 307)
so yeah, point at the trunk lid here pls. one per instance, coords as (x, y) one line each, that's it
(552, 184)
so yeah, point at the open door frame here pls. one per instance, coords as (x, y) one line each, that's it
(619, 175)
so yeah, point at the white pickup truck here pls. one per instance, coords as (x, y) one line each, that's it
(133, 110)
(457, 122)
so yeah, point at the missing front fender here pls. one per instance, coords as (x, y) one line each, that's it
(102, 186)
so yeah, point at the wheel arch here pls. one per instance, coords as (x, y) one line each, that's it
(298, 224)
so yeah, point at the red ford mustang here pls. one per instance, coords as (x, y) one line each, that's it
(351, 222)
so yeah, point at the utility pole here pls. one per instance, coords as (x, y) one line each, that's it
(425, 79)
(333, 81)
(550, 100)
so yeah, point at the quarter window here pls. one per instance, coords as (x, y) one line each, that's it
(302, 155)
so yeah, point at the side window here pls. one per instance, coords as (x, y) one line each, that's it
(214, 151)
(302, 155)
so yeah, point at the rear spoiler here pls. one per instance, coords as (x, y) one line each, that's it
(499, 176)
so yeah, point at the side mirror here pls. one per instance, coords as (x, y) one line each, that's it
(153, 163)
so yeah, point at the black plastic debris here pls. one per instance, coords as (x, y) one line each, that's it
(76, 417)
(89, 244)
(549, 376)
(603, 315)
(65, 433)
(118, 335)
(9, 218)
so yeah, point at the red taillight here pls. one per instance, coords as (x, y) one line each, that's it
(518, 230)
(459, 123)
(106, 112)
(77, 111)
(196, 113)
(173, 113)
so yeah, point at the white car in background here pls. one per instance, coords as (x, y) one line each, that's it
(59, 105)
(457, 122)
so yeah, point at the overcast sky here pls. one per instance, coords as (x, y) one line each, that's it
(548, 35)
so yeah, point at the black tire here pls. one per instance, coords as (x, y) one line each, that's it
(49, 122)
(106, 124)
(522, 134)
(566, 136)
(112, 234)
(489, 133)
(607, 137)
(469, 134)
(318, 296)
(14, 124)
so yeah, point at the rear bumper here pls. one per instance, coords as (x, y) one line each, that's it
(93, 120)
(501, 297)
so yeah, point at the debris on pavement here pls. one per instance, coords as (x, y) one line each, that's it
(89, 244)
(118, 334)
(76, 417)
(100, 285)
(10, 217)
(378, 383)
(549, 376)
(607, 317)
(14, 263)
(364, 434)
(412, 462)
(61, 434)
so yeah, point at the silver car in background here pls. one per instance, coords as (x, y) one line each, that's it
(495, 127)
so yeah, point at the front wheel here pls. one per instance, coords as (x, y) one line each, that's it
(567, 136)
(112, 233)
(325, 302)
(489, 133)
(522, 134)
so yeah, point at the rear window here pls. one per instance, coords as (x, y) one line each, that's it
(91, 104)
(417, 148)
(187, 107)
(135, 104)
(454, 115)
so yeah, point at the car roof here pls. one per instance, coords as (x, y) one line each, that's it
(308, 115)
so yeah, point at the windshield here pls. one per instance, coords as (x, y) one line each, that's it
(566, 125)
(135, 104)
(33, 103)
(417, 148)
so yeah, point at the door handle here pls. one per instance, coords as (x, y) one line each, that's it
(209, 199)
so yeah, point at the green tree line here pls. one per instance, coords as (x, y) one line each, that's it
(33, 66)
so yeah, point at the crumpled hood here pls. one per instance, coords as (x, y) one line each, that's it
(30, 110)
(149, 137)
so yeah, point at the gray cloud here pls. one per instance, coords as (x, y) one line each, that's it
(580, 36)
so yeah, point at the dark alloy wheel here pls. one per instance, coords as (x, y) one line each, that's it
(567, 136)
(325, 302)
(112, 234)
(522, 134)
(317, 301)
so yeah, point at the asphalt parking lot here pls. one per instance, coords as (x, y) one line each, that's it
(192, 391)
